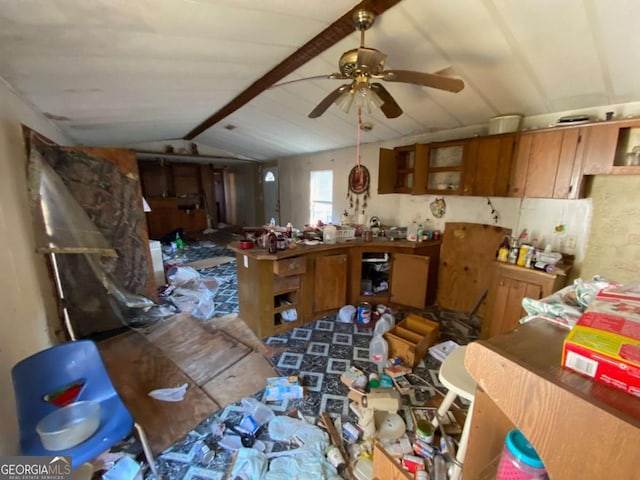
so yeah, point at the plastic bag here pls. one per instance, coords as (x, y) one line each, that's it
(169, 394)
(190, 293)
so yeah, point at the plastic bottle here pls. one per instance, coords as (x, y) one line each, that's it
(519, 460)
(412, 232)
(513, 252)
(503, 251)
(272, 242)
(419, 233)
(179, 242)
(378, 351)
(329, 234)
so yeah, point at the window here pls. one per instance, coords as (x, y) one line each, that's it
(269, 177)
(320, 196)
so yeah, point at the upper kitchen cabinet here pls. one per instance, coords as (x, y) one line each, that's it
(488, 166)
(402, 170)
(613, 148)
(445, 172)
(548, 164)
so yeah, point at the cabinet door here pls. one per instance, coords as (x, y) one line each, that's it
(492, 167)
(520, 166)
(600, 149)
(547, 165)
(505, 304)
(543, 164)
(409, 280)
(386, 171)
(445, 167)
(330, 282)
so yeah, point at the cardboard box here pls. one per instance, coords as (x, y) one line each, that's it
(605, 343)
(411, 338)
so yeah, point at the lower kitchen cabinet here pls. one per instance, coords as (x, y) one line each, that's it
(277, 292)
(330, 282)
(394, 273)
(509, 285)
(410, 280)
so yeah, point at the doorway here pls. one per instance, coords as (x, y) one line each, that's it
(220, 205)
(271, 195)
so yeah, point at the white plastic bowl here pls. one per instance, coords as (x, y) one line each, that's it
(69, 426)
(504, 124)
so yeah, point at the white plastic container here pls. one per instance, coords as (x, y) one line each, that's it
(504, 124)
(330, 234)
(257, 410)
(69, 426)
(158, 265)
(379, 352)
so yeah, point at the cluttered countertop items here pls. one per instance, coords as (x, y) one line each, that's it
(526, 251)
(275, 238)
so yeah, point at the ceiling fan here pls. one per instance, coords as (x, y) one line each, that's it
(361, 65)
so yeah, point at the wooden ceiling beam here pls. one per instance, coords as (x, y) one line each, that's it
(331, 35)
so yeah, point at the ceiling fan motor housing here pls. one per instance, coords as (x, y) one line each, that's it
(351, 68)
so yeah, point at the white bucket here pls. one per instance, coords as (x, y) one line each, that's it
(504, 124)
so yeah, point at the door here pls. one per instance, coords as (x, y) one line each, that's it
(330, 282)
(409, 280)
(270, 193)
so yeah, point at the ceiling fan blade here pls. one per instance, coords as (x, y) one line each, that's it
(331, 76)
(371, 58)
(390, 108)
(426, 79)
(328, 100)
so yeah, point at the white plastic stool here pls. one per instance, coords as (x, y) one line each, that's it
(455, 377)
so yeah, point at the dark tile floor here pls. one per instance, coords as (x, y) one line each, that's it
(226, 296)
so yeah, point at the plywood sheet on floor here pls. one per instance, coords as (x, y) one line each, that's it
(233, 325)
(137, 367)
(200, 354)
(242, 379)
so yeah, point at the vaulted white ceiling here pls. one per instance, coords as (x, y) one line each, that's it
(120, 72)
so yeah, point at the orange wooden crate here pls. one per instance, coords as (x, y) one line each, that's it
(411, 338)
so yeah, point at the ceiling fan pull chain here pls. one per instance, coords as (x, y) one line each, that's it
(358, 136)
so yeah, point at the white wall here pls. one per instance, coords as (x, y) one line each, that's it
(538, 216)
(26, 294)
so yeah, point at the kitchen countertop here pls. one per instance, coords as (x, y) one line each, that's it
(301, 249)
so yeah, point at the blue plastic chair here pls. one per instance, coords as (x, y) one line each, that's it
(55, 369)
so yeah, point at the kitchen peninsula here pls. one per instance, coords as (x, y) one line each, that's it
(281, 291)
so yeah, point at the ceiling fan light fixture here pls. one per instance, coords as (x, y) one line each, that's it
(367, 99)
(345, 100)
(362, 96)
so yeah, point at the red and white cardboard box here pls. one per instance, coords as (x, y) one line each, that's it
(605, 343)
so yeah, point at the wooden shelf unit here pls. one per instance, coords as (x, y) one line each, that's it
(580, 428)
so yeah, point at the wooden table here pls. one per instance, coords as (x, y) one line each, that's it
(580, 428)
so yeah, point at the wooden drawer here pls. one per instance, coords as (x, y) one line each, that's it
(285, 284)
(411, 338)
(289, 266)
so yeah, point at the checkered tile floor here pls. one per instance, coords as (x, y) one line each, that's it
(321, 351)
(226, 297)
